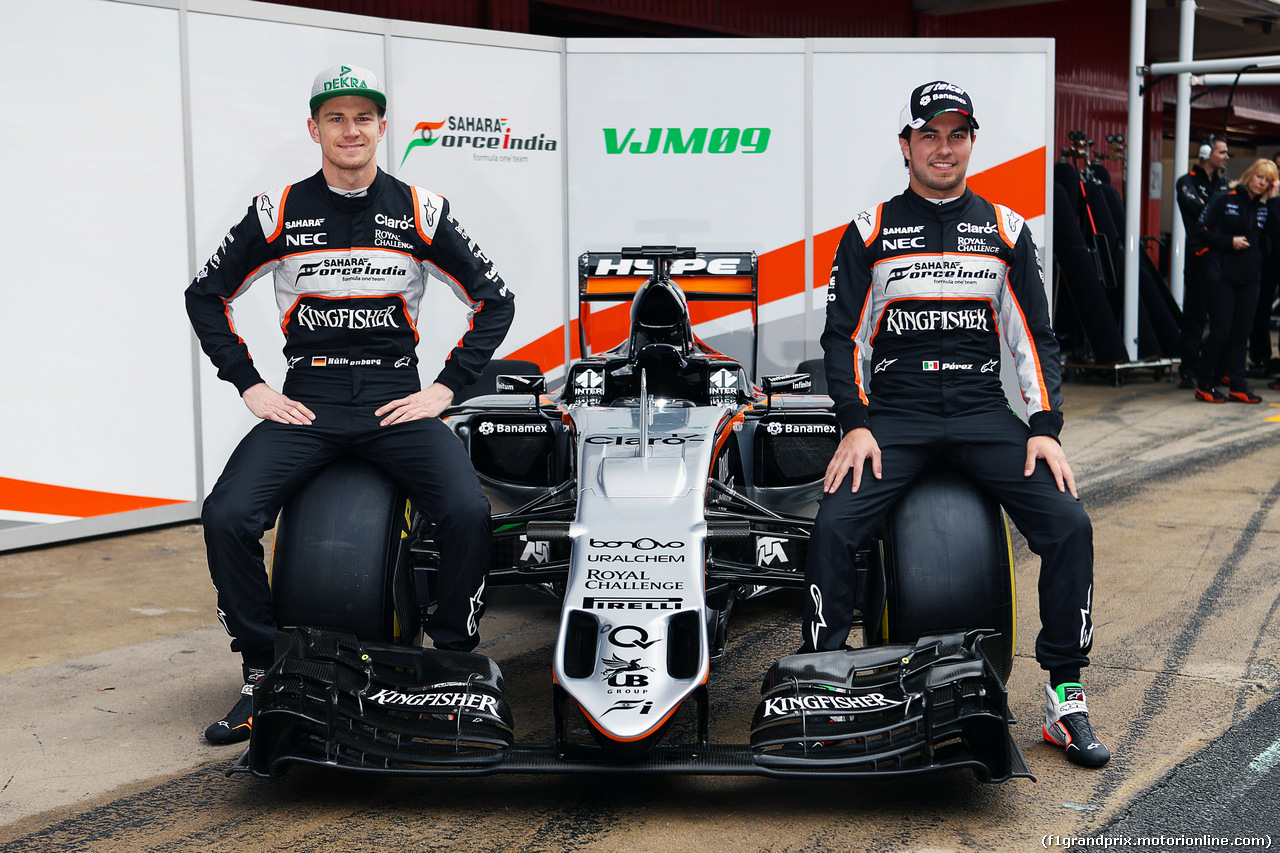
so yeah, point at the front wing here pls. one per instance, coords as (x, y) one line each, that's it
(331, 700)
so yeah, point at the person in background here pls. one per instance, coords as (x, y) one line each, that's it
(1193, 191)
(1233, 225)
(1260, 348)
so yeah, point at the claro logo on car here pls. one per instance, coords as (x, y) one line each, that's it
(696, 140)
(624, 440)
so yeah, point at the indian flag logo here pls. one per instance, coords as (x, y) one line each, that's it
(426, 136)
(929, 365)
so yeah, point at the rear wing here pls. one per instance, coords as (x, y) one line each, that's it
(702, 276)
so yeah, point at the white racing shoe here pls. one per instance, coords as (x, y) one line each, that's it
(1066, 723)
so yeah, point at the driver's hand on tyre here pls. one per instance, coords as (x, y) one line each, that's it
(271, 405)
(855, 449)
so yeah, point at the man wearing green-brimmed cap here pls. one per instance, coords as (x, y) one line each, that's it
(351, 251)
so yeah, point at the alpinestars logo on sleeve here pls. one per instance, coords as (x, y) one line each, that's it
(883, 363)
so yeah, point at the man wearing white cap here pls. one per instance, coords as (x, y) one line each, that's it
(928, 287)
(350, 250)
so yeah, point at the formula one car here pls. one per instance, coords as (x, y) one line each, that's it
(653, 490)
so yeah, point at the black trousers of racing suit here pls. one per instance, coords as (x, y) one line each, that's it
(1231, 302)
(1194, 314)
(1260, 345)
(423, 457)
(991, 448)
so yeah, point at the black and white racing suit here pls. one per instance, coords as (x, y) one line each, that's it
(921, 297)
(349, 275)
(1193, 191)
(1231, 279)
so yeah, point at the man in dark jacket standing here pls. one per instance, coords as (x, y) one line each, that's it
(1193, 191)
(925, 290)
(351, 251)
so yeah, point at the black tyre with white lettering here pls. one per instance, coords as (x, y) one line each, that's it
(339, 541)
(947, 566)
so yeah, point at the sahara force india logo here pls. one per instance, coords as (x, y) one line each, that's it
(474, 132)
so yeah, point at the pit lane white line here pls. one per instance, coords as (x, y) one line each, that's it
(1266, 759)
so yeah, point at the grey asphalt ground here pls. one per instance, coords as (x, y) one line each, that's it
(111, 664)
(1225, 797)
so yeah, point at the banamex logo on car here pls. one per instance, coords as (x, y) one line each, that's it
(490, 427)
(779, 427)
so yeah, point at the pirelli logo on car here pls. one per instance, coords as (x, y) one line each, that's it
(592, 602)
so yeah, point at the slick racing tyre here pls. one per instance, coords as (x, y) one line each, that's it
(337, 545)
(947, 566)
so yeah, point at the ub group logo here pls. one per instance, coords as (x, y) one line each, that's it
(475, 133)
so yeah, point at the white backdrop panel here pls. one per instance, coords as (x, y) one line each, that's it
(856, 160)
(250, 83)
(748, 198)
(509, 199)
(97, 380)
(104, 398)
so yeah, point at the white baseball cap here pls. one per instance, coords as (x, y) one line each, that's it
(347, 80)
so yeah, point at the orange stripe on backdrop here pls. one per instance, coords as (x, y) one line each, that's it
(43, 498)
(1017, 183)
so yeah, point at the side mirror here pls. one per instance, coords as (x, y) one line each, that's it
(516, 384)
(791, 383)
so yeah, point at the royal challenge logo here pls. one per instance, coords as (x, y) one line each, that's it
(491, 139)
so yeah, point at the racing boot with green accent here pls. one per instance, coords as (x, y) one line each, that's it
(237, 723)
(1066, 723)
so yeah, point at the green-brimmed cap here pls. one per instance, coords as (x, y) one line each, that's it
(347, 80)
